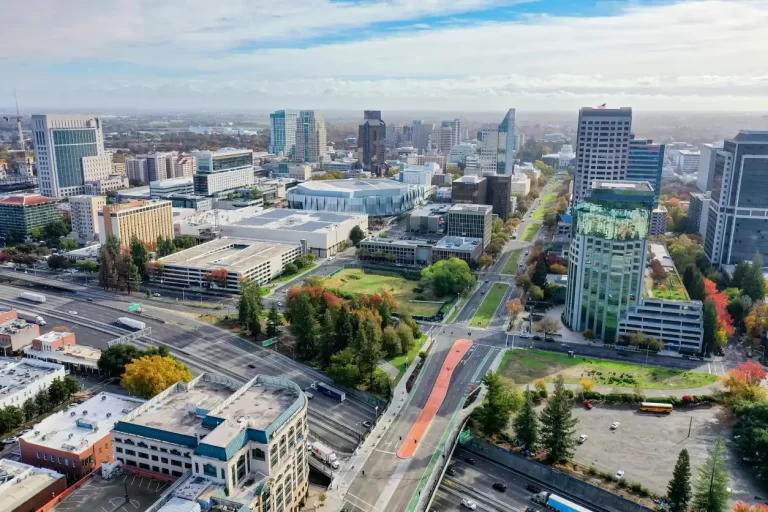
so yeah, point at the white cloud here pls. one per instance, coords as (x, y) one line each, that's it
(705, 55)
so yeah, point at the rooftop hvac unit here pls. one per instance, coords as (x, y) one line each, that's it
(72, 413)
(85, 412)
(109, 415)
(103, 397)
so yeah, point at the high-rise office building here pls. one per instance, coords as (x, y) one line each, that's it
(606, 257)
(421, 135)
(223, 170)
(84, 212)
(645, 163)
(602, 148)
(394, 136)
(20, 214)
(145, 220)
(450, 135)
(497, 146)
(160, 165)
(69, 152)
(370, 138)
(698, 212)
(137, 169)
(471, 220)
(282, 125)
(737, 226)
(706, 171)
(311, 144)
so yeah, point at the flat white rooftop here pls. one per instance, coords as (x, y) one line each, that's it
(295, 220)
(76, 428)
(19, 482)
(233, 254)
(16, 375)
(68, 354)
(50, 337)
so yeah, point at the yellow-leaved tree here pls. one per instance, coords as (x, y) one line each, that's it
(149, 375)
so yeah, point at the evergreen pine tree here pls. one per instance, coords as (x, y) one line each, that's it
(740, 273)
(326, 339)
(558, 426)
(304, 327)
(527, 423)
(679, 488)
(710, 493)
(710, 326)
(539, 277)
(344, 329)
(274, 320)
(500, 402)
(753, 284)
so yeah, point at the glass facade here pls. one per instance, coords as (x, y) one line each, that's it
(224, 163)
(645, 163)
(69, 147)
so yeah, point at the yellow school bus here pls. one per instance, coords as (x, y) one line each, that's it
(654, 407)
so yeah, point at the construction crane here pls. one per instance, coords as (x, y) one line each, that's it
(18, 122)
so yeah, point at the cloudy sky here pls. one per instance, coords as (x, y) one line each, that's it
(472, 55)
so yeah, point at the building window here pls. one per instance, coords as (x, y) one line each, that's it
(154, 458)
(130, 452)
(164, 460)
(118, 449)
(258, 454)
(209, 470)
(175, 462)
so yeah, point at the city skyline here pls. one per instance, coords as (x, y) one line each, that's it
(317, 55)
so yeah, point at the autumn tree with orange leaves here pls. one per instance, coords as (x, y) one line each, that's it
(743, 383)
(746, 507)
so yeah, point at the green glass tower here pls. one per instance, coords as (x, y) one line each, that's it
(607, 255)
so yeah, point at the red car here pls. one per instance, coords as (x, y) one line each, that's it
(588, 405)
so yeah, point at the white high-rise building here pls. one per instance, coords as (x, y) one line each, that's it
(137, 169)
(707, 156)
(311, 145)
(496, 150)
(84, 212)
(602, 147)
(69, 151)
(282, 125)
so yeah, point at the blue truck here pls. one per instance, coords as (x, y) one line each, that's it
(329, 391)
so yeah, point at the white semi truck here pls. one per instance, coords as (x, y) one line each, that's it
(324, 454)
(32, 297)
(130, 322)
(30, 317)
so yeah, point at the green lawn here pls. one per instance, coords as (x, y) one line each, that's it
(540, 213)
(488, 308)
(524, 366)
(361, 282)
(402, 361)
(282, 279)
(512, 262)
(530, 232)
(549, 198)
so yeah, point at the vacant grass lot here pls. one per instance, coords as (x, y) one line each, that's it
(512, 262)
(488, 308)
(530, 232)
(524, 366)
(360, 282)
(540, 213)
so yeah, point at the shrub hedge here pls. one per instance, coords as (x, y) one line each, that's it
(632, 398)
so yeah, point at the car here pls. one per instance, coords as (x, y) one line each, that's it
(498, 486)
(563, 345)
(532, 488)
(279, 304)
(466, 502)
(89, 299)
(619, 474)
(588, 405)
(529, 509)
(251, 365)
(451, 472)
(482, 292)
(73, 312)
(367, 424)
(694, 358)
(156, 295)
(615, 425)
(537, 337)
(469, 460)
(583, 438)
(11, 440)
(526, 253)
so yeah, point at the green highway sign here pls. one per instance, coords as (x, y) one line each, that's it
(464, 436)
(134, 307)
(270, 341)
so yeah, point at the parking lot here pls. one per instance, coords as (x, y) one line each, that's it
(99, 495)
(646, 446)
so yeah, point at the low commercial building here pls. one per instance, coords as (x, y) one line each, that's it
(173, 186)
(87, 253)
(201, 203)
(77, 441)
(678, 323)
(109, 183)
(521, 184)
(15, 333)
(145, 220)
(370, 197)
(325, 233)
(20, 214)
(73, 357)
(472, 221)
(467, 249)
(249, 440)
(84, 212)
(21, 379)
(419, 253)
(430, 219)
(225, 262)
(24, 488)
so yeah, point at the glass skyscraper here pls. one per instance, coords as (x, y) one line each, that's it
(607, 254)
(645, 163)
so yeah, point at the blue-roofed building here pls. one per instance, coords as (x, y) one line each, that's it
(250, 439)
(645, 163)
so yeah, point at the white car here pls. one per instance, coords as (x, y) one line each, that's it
(619, 474)
(583, 438)
(73, 312)
(156, 295)
(615, 425)
(11, 440)
(471, 505)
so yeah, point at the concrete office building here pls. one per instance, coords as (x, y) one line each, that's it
(370, 197)
(20, 214)
(688, 161)
(222, 171)
(421, 135)
(420, 253)
(659, 220)
(311, 145)
(15, 333)
(61, 348)
(490, 189)
(606, 257)
(520, 185)
(496, 150)
(471, 221)
(109, 184)
(77, 441)
(460, 152)
(69, 151)
(137, 169)
(706, 171)
(370, 139)
(253, 260)
(21, 379)
(602, 148)
(679, 324)
(698, 211)
(450, 135)
(645, 163)
(145, 220)
(172, 186)
(282, 126)
(25, 488)
(737, 226)
(429, 219)
(249, 439)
